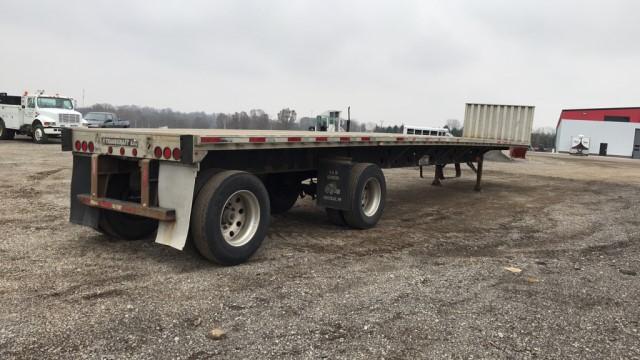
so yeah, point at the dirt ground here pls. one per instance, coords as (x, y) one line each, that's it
(428, 282)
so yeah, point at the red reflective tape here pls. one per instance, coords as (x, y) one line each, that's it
(399, 139)
(345, 139)
(365, 138)
(321, 138)
(131, 210)
(105, 204)
(257, 139)
(294, 139)
(209, 139)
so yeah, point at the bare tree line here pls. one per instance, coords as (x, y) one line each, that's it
(148, 117)
(543, 138)
(286, 119)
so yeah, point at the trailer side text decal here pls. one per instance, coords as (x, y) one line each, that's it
(119, 142)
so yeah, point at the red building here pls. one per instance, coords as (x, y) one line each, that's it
(612, 131)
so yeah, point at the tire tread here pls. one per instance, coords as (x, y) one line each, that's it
(354, 217)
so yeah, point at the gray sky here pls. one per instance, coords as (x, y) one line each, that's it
(415, 62)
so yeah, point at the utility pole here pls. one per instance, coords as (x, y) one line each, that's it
(348, 118)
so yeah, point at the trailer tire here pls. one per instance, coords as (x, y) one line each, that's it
(284, 190)
(5, 134)
(119, 225)
(368, 195)
(282, 199)
(39, 136)
(202, 179)
(245, 225)
(336, 217)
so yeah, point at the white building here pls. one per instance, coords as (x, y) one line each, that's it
(612, 131)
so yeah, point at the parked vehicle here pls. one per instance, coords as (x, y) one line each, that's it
(580, 145)
(221, 186)
(423, 130)
(105, 120)
(39, 115)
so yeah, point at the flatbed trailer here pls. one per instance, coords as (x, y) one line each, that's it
(219, 187)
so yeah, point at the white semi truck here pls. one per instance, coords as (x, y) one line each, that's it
(38, 115)
(220, 187)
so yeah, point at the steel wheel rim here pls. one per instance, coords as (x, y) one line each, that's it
(240, 218)
(38, 134)
(371, 197)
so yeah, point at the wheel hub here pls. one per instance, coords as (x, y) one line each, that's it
(371, 197)
(240, 218)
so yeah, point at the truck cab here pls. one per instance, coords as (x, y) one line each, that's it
(329, 121)
(38, 115)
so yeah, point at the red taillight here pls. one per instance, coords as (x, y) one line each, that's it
(134, 152)
(121, 151)
(167, 153)
(157, 152)
(110, 150)
(177, 153)
(78, 145)
(91, 146)
(84, 146)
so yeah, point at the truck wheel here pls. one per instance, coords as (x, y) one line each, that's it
(284, 190)
(282, 199)
(368, 195)
(39, 137)
(230, 217)
(119, 225)
(5, 134)
(336, 217)
(202, 179)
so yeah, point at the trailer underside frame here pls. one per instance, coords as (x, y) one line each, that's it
(304, 165)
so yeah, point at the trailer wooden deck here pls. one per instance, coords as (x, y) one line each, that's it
(212, 139)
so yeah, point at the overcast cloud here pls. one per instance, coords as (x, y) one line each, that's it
(412, 62)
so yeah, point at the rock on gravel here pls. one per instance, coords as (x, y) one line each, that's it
(217, 334)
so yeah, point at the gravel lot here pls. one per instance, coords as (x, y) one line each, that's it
(428, 282)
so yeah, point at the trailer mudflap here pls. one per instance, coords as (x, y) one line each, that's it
(175, 191)
(80, 213)
(333, 184)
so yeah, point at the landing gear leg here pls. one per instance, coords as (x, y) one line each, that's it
(438, 175)
(479, 173)
(472, 167)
